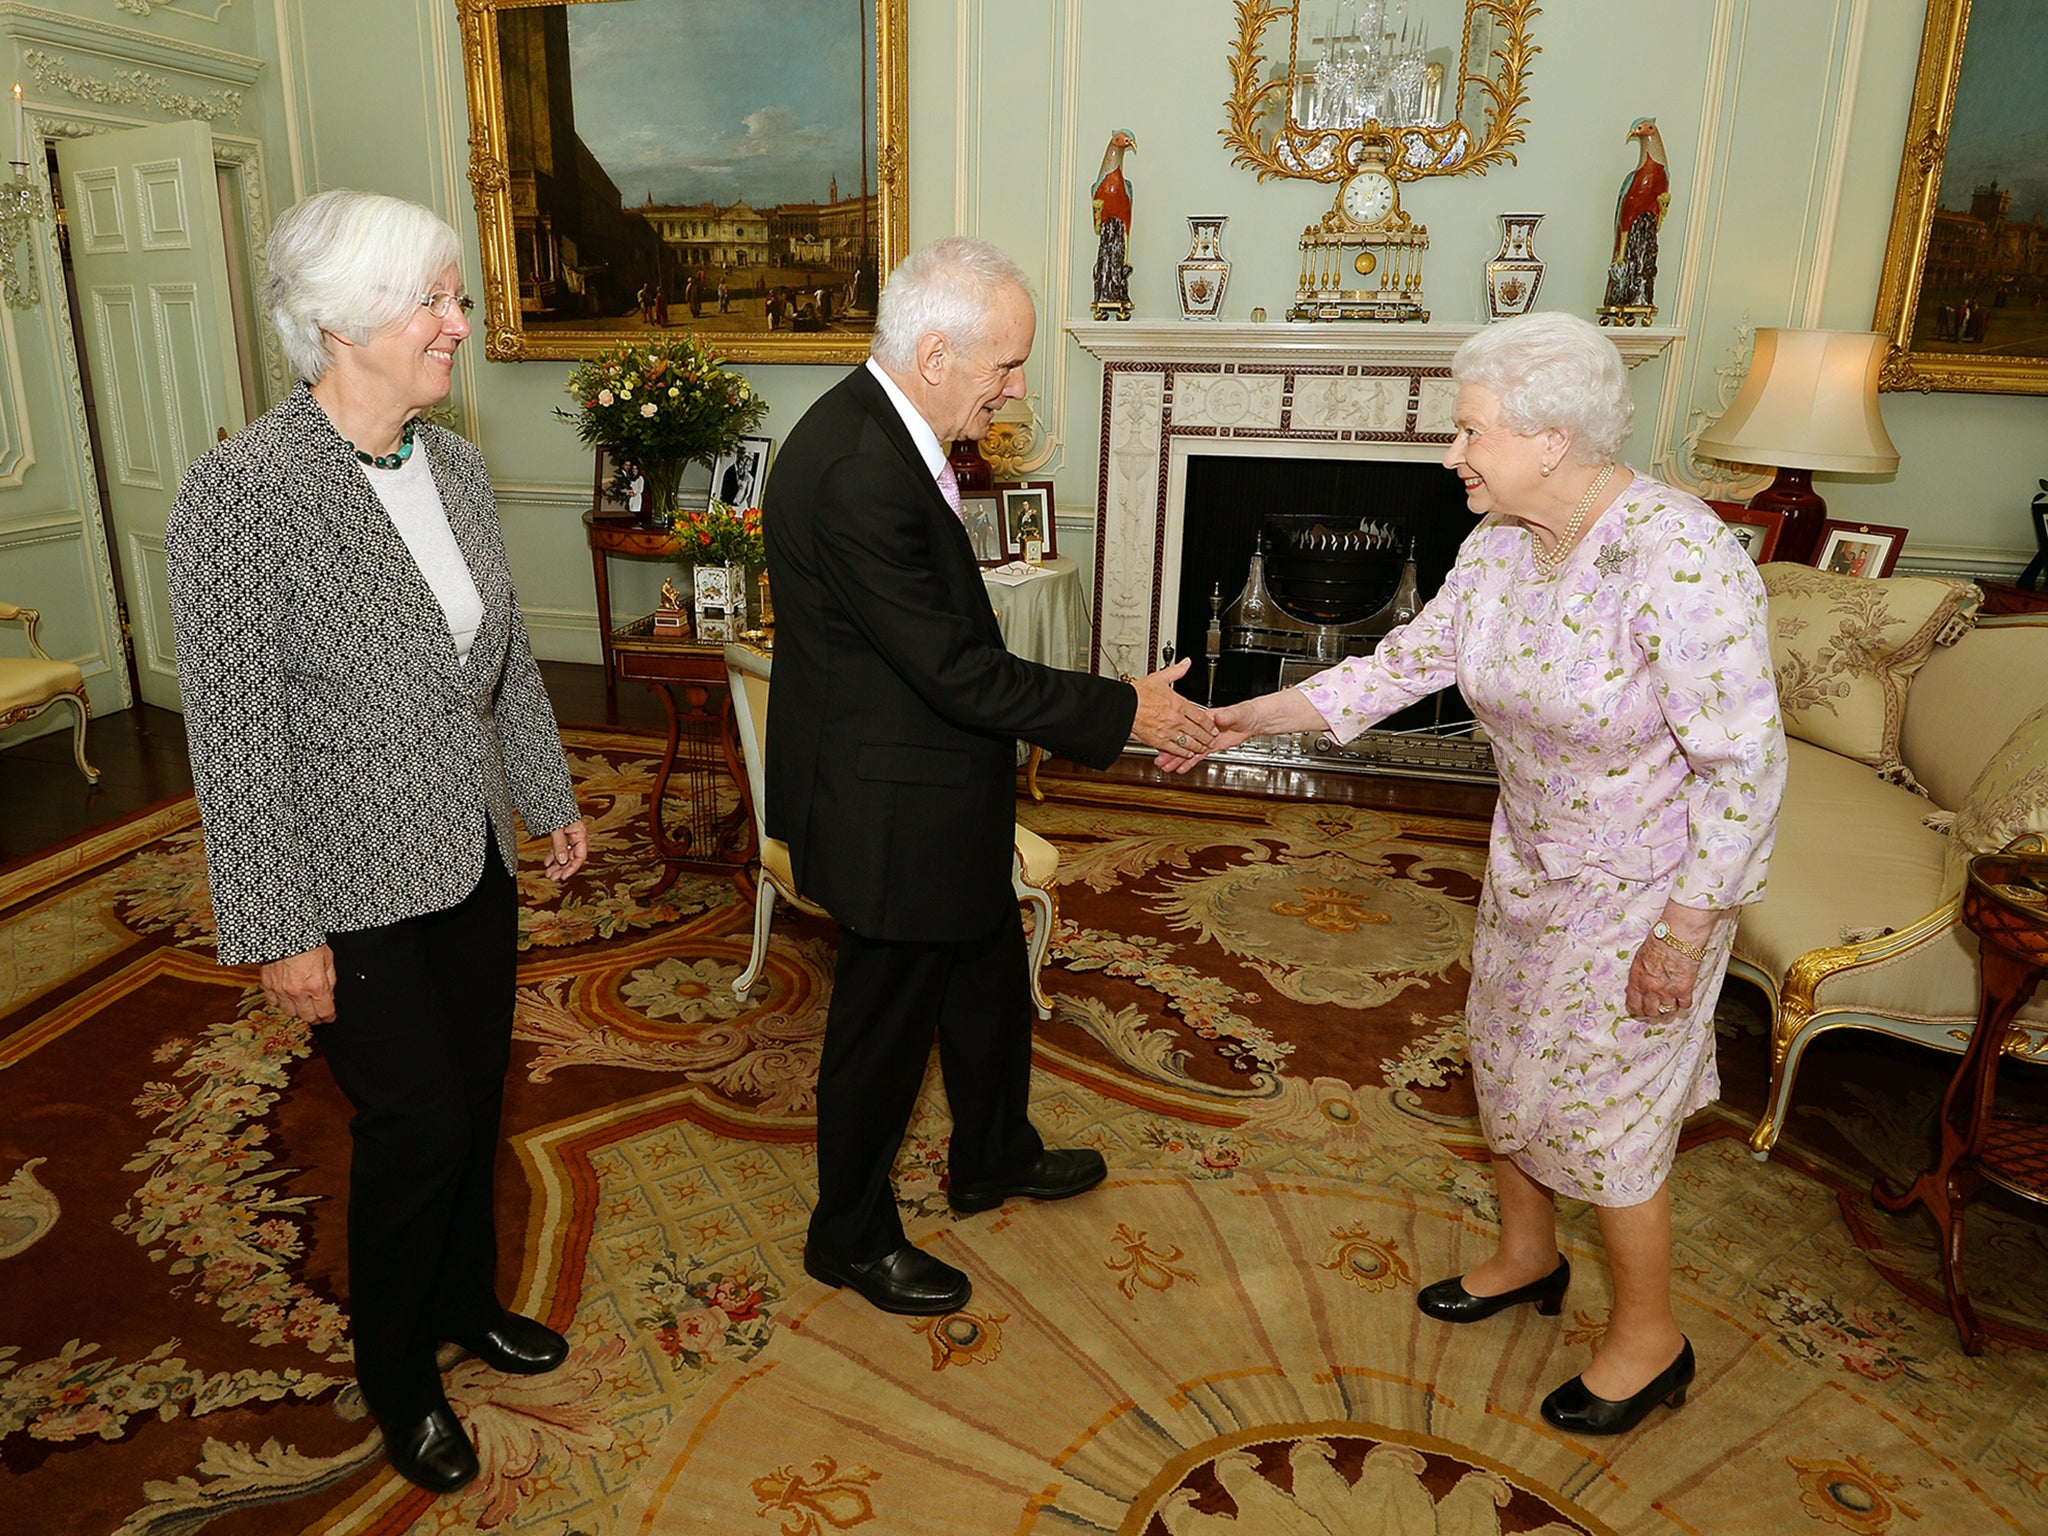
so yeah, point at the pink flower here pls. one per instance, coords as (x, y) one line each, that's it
(736, 1301)
(648, 408)
(605, 397)
(703, 1330)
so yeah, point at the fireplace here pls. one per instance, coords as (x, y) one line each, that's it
(1178, 394)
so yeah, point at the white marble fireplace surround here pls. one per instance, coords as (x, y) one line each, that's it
(1174, 389)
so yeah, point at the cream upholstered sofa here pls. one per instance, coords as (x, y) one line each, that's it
(1918, 736)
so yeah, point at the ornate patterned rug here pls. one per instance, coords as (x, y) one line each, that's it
(1258, 1022)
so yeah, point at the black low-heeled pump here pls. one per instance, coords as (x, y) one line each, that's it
(1449, 1302)
(1574, 1409)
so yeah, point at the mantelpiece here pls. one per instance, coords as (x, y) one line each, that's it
(1171, 389)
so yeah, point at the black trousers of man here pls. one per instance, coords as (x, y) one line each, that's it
(420, 1044)
(888, 1000)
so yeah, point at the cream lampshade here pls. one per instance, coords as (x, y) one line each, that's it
(1810, 402)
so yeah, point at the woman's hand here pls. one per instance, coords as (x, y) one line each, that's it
(1661, 979)
(302, 985)
(568, 847)
(1270, 714)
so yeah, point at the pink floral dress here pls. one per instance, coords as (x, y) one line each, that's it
(1635, 727)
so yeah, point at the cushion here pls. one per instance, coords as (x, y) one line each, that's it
(26, 681)
(1971, 696)
(2010, 797)
(1845, 647)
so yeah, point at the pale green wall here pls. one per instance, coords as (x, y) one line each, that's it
(1783, 124)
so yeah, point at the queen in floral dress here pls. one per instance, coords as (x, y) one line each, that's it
(1610, 635)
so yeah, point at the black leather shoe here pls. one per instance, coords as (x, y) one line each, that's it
(518, 1346)
(1449, 1302)
(1055, 1176)
(909, 1281)
(1573, 1409)
(433, 1452)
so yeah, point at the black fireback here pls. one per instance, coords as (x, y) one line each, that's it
(1230, 499)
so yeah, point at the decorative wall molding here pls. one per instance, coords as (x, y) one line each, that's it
(17, 435)
(38, 24)
(144, 7)
(130, 87)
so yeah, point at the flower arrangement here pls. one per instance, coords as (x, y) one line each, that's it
(663, 402)
(721, 534)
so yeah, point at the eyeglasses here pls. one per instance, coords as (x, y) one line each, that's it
(438, 304)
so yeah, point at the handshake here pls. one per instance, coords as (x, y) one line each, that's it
(1183, 733)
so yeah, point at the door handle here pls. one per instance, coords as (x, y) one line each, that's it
(220, 434)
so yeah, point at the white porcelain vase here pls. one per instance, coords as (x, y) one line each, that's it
(1205, 273)
(1513, 276)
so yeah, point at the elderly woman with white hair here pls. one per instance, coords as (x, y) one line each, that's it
(364, 716)
(1610, 635)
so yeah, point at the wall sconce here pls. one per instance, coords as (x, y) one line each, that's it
(1810, 402)
(22, 205)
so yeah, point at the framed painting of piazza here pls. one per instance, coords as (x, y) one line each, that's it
(1964, 291)
(730, 167)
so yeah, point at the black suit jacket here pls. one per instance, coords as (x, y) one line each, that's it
(895, 711)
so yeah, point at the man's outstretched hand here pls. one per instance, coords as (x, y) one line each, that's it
(1179, 729)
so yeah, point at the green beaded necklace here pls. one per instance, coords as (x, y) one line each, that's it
(388, 460)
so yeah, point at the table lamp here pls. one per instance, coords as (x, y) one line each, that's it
(1810, 402)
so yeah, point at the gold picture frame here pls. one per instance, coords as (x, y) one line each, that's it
(549, 296)
(1927, 275)
(1488, 80)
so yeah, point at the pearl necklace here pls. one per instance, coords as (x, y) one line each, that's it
(1548, 560)
(389, 460)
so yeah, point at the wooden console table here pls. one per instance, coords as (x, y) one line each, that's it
(608, 537)
(2005, 903)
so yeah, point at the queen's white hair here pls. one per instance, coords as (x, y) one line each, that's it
(1553, 370)
(353, 263)
(950, 286)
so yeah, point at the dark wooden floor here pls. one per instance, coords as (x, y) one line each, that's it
(45, 801)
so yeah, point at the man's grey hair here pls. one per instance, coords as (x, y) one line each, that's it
(950, 286)
(1553, 370)
(354, 263)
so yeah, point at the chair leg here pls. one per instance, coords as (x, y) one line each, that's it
(81, 711)
(1041, 942)
(764, 915)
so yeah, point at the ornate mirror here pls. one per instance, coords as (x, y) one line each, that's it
(1314, 82)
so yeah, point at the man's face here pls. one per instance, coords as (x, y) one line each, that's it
(972, 386)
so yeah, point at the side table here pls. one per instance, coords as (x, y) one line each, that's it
(608, 537)
(1044, 619)
(2005, 903)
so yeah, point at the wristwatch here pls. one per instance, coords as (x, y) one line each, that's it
(1693, 952)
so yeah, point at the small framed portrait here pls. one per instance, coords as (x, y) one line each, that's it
(1858, 549)
(983, 517)
(1756, 529)
(738, 477)
(618, 488)
(1027, 516)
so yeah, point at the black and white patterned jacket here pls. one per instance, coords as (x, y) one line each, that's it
(343, 758)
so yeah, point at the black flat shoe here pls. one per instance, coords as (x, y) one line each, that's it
(433, 1452)
(909, 1281)
(1449, 1302)
(518, 1346)
(1573, 1409)
(1055, 1176)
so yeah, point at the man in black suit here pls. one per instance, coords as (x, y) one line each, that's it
(892, 731)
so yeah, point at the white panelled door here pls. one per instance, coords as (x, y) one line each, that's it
(149, 254)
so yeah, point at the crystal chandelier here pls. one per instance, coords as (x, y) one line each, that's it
(1367, 73)
(22, 204)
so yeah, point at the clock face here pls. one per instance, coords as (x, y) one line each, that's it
(1368, 197)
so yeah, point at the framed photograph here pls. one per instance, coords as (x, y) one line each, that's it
(1756, 529)
(1027, 514)
(737, 477)
(649, 165)
(617, 490)
(1962, 307)
(983, 516)
(1858, 549)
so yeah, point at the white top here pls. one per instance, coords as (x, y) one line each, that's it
(414, 506)
(921, 431)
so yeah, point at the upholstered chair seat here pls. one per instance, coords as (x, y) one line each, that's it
(31, 684)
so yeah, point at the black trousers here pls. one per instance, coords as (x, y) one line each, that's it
(420, 1044)
(888, 1001)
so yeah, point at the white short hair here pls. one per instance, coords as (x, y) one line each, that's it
(950, 286)
(354, 263)
(1553, 370)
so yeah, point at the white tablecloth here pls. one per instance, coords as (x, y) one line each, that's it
(1045, 619)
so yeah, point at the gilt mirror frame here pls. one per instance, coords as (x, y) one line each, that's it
(1501, 77)
(508, 335)
(1907, 308)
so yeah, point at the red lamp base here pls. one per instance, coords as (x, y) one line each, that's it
(1792, 493)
